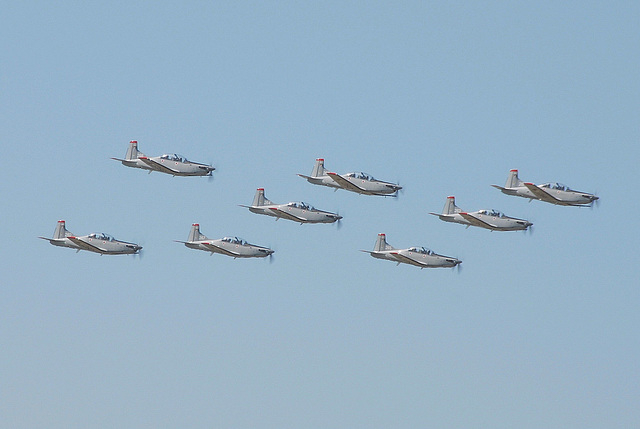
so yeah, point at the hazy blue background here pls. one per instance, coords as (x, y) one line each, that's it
(537, 331)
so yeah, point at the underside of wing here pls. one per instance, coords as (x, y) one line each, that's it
(287, 215)
(344, 183)
(85, 246)
(541, 194)
(476, 222)
(407, 260)
(157, 166)
(219, 249)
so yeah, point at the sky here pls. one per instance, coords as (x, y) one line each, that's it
(537, 330)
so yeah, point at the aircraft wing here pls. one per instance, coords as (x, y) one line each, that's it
(85, 246)
(406, 259)
(286, 215)
(475, 221)
(157, 166)
(344, 183)
(539, 193)
(215, 248)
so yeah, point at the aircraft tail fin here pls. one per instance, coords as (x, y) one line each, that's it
(195, 235)
(318, 168)
(61, 231)
(450, 206)
(381, 244)
(513, 181)
(259, 199)
(132, 152)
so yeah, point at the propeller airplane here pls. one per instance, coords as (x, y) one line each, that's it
(97, 242)
(229, 246)
(488, 219)
(418, 256)
(294, 211)
(361, 183)
(554, 193)
(173, 164)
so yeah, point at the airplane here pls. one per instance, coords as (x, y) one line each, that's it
(230, 246)
(554, 193)
(361, 183)
(489, 219)
(173, 164)
(97, 242)
(418, 256)
(295, 211)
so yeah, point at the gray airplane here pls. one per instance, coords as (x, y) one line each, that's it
(489, 219)
(230, 246)
(98, 242)
(173, 164)
(554, 193)
(295, 211)
(418, 256)
(361, 183)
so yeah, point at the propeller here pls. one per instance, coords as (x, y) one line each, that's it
(339, 221)
(139, 254)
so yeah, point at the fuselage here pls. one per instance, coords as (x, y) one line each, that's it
(363, 184)
(233, 247)
(558, 194)
(297, 212)
(488, 219)
(418, 256)
(97, 243)
(174, 165)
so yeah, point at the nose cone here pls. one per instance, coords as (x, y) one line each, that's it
(334, 217)
(454, 261)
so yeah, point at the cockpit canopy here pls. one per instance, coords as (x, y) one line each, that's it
(101, 236)
(235, 240)
(422, 250)
(492, 212)
(174, 157)
(556, 185)
(360, 175)
(301, 205)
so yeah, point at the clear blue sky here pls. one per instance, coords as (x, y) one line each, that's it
(537, 331)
